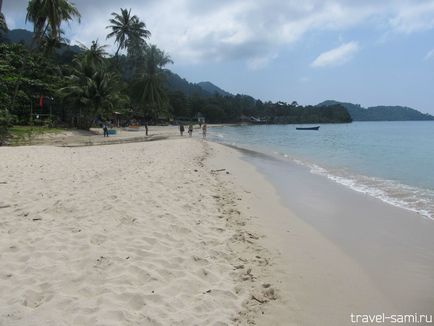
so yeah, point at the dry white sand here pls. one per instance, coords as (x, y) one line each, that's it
(174, 232)
(131, 234)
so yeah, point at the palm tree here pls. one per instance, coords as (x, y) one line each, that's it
(48, 15)
(150, 87)
(93, 89)
(136, 39)
(128, 30)
(48, 43)
(95, 55)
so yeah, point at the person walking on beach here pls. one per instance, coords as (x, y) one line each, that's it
(146, 127)
(190, 130)
(204, 131)
(105, 130)
(181, 129)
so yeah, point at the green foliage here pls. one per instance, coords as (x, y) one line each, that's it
(149, 93)
(93, 90)
(35, 75)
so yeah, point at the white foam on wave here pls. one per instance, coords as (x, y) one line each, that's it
(392, 192)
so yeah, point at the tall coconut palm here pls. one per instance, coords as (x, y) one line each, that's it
(127, 29)
(48, 15)
(150, 85)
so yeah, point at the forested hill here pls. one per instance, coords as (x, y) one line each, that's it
(175, 83)
(213, 89)
(20, 36)
(380, 113)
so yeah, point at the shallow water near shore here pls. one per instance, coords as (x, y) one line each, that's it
(391, 161)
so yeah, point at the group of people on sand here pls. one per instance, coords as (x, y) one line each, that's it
(105, 127)
(190, 130)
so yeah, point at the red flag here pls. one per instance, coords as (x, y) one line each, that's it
(41, 101)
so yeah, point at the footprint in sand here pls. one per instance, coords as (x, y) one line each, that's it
(98, 239)
(34, 299)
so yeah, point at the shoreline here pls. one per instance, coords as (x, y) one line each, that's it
(318, 283)
(390, 247)
(321, 172)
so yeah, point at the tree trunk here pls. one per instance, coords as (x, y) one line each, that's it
(117, 51)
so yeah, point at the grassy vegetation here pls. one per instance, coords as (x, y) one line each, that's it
(23, 135)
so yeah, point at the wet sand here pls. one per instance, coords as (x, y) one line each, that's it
(392, 247)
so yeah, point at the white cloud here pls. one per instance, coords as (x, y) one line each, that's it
(429, 55)
(417, 16)
(336, 56)
(260, 62)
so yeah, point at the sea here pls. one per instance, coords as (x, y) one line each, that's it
(391, 161)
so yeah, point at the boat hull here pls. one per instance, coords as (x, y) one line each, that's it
(308, 128)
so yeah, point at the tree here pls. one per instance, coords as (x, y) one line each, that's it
(150, 87)
(38, 75)
(95, 55)
(127, 30)
(48, 15)
(136, 39)
(93, 90)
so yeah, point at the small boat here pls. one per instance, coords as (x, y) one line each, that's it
(308, 128)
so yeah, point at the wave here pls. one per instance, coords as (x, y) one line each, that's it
(392, 192)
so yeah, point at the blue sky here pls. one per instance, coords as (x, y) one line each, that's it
(368, 52)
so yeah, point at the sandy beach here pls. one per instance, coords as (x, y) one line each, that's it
(172, 232)
(131, 234)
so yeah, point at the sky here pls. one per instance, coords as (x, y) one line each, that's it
(368, 52)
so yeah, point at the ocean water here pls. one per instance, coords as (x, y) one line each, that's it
(392, 161)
